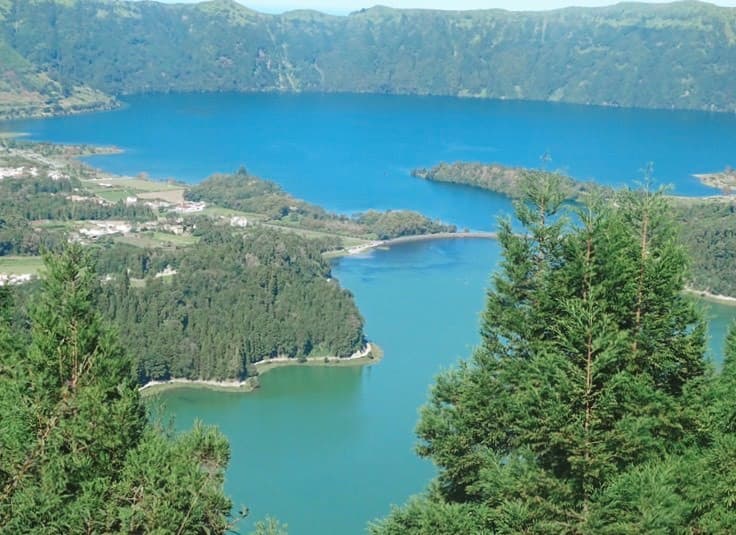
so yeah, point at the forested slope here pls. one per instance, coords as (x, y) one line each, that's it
(234, 300)
(29, 89)
(680, 55)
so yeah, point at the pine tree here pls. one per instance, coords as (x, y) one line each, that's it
(589, 351)
(75, 445)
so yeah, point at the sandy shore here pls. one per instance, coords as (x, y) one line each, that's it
(370, 354)
(288, 360)
(246, 385)
(422, 237)
(716, 298)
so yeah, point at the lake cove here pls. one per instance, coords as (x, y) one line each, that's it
(328, 449)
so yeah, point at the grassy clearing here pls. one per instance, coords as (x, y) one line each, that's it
(156, 239)
(175, 196)
(217, 211)
(52, 224)
(18, 265)
(348, 241)
(112, 195)
(132, 184)
(174, 239)
(116, 189)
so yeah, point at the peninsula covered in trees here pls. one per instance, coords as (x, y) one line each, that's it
(62, 56)
(246, 193)
(233, 300)
(502, 179)
(203, 281)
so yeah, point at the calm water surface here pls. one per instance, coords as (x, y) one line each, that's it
(326, 450)
(354, 152)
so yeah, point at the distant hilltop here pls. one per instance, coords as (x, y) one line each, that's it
(65, 56)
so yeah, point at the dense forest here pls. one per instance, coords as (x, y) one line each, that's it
(708, 230)
(589, 406)
(77, 452)
(59, 55)
(231, 300)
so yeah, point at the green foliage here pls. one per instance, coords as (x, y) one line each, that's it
(243, 192)
(708, 230)
(674, 56)
(508, 181)
(647, 499)
(395, 224)
(76, 452)
(270, 526)
(235, 300)
(421, 515)
(587, 376)
(188, 496)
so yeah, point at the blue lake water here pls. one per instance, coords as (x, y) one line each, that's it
(327, 450)
(354, 152)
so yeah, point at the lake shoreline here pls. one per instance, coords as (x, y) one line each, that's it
(703, 294)
(371, 354)
(714, 298)
(358, 249)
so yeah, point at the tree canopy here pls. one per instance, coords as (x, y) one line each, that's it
(230, 301)
(77, 454)
(588, 407)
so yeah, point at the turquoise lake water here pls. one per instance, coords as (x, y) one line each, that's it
(326, 450)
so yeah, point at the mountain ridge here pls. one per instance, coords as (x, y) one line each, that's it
(680, 55)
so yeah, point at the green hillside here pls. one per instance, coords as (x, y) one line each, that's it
(680, 55)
